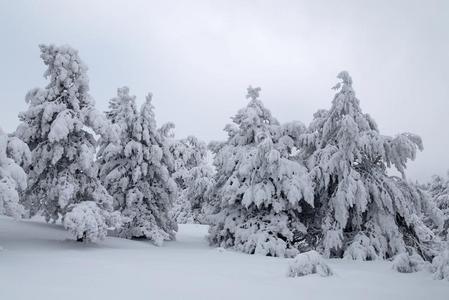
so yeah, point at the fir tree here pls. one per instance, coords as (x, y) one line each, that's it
(137, 170)
(364, 213)
(260, 192)
(193, 177)
(439, 191)
(62, 175)
(115, 169)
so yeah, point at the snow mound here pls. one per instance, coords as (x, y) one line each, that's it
(404, 263)
(440, 265)
(310, 262)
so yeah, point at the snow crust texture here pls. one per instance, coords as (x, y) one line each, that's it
(115, 269)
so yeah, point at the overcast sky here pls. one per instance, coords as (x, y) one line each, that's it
(198, 57)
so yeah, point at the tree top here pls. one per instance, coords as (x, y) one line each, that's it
(253, 93)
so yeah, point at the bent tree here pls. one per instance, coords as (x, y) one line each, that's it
(58, 128)
(363, 212)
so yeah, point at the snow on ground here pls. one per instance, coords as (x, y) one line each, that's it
(39, 261)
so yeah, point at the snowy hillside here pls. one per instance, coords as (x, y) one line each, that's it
(40, 261)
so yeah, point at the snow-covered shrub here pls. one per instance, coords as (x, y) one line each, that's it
(193, 177)
(440, 265)
(136, 170)
(87, 222)
(307, 263)
(361, 248)
(361, 211)
(255, 233)
(260, 193)
(13, 179)
(405, 263)
(58, 129)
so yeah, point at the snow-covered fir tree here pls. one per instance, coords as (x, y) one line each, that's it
(260, 192)
(137, 169)
(438, 189)
(13, 180)
(361, 211)
(58, 125)
(194, 178)
(114, 171)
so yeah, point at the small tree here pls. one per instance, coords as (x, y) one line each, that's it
(56, 126)
(116, 169)
(13, 179)
(364, 212)
(438, 189)
(137, 170)
(260, 192)
(193, 177)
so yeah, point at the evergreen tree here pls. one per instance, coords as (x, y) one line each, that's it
(58, 129)
(137, 170)
(364, 213)
(115, 169)
(260, 192)
(13, 180)
(193, 177)
(439, 191)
